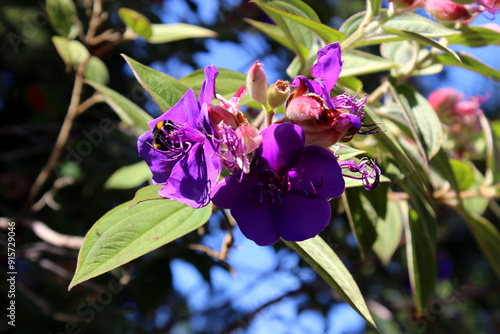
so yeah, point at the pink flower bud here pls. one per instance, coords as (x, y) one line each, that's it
(257, 83)
(446, 10)
(444, 101)
(278, 93)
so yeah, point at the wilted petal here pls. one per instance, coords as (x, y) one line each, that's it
(328, 65)
(301, 218)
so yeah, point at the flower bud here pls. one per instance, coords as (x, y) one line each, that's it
(444, 101)
(257, 83)
(307, 111)
(278, 93)
(404, 4)
(446, 10)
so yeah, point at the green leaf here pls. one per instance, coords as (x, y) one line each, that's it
(463, 173)
(149, 193)
(164, 33)
(421, 262)
(278, 35)
(228, 82)
(343, 152)
(63, 17)
(329, 266)
(475, 37)
(409, 22)
(122, 235)
(400, 52)
(359, 62)
(471, 63)
(423, 120)
(422, 40)
(72, 52)
(375, 5)
(389, 230)
(137, 22)
(327, 34)
(165, 90)
(128, 177)
(130, 114)
(487, 236)
(97, 71)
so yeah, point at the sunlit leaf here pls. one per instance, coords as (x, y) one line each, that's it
(137, 22)
(421, 262)
(130, 113)
(130, 176)
(63, 17)
(122, 235)
(165, 90)
(329, 266)
(164, 33)
(359, 62)
(471, 63)
(97, 71)
(149, 193)
(72, 52)
(475, 37)
(389, 230)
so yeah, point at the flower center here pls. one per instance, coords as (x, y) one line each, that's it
(274, 186)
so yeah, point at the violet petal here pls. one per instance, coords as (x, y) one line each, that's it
(328, 65)
(281, 147)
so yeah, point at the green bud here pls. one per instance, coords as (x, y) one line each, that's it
(278, 93)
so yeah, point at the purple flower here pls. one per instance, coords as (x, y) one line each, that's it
(325, 120)
(286, 192)
(180, 149)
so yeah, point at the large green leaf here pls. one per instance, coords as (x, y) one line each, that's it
(130, 113)
(471, 63)
(136, 22)
(421, 262)
(359, 62)
(165, 90)
(164, 33)
(122, 235)
(487, 236)
(63, 17)
(329, 266)
(130, 176)
(327, 34)
(423, 120)
(389, 230)
(475, 37)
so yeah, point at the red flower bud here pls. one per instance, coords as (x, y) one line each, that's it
(257, 83)
(446, 10)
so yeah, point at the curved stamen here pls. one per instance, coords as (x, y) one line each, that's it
(370, 172)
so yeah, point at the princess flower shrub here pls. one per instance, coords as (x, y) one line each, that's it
(317, 140)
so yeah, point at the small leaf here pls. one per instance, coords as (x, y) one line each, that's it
(343, 152)
(475, 37)
(164, 33)
(128, 177)
(471, 63)
(464, 174)
(97, 71)
(421, 262)
(122, 235)
(63, 17)
(359, 62)
(130, 114)
(327, 34)
(329, 266)
(165, 90)
(389, 230)
(72, 52)
(137, 22)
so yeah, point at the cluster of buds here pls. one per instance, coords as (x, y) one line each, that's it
(271, 97)
(460, 116)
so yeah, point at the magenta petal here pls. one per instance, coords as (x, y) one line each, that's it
(207, 91)
(160, 166)
(185, 112)
(192, 178)
(282, 145)
(301, 218)
(317, 174)
(227, 191)
(255, 221)
(328, 65)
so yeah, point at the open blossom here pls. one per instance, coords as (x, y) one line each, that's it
(181, 150)
(286, 192)
(325, 120)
